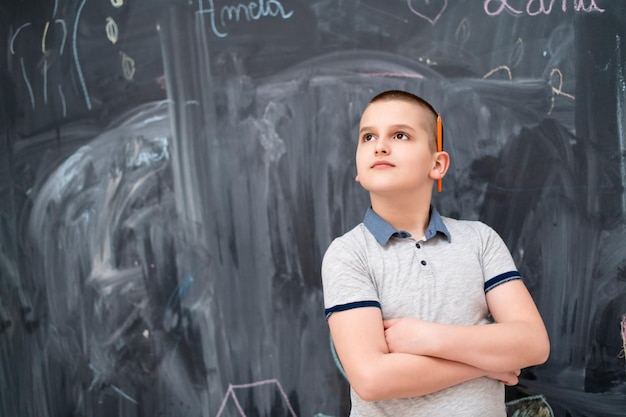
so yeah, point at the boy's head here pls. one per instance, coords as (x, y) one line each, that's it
(397, 148)
(411, 98)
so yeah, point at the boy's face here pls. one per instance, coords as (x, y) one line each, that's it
(396, 149)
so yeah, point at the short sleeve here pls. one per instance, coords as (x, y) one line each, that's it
(346, 279)
(498, 264)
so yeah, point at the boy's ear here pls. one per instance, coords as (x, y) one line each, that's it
(356, 178)
(441, 165)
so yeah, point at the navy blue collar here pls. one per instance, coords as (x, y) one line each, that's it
(383, 231)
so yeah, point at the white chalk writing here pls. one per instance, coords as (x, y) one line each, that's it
(221, 17)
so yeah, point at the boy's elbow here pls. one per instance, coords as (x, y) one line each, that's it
(369, 392)
(541, 350)
(544, 351)
(368, 385)
(366, 394)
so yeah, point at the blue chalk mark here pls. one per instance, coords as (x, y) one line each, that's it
(78, 68)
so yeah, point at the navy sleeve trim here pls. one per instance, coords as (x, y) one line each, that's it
(350, 306)
(501, 279)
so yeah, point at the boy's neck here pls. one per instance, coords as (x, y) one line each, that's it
(408, 214)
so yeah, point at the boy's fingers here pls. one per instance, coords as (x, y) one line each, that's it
(514, 379)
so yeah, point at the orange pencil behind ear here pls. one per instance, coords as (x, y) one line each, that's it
(439, 145)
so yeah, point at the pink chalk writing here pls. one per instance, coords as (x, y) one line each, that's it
(538, 7)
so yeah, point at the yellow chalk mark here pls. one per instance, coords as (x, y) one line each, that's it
(557, 91)
(43, 38)
(497, 69)
(112, 30)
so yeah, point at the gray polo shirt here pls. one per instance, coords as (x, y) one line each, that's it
(442, 277)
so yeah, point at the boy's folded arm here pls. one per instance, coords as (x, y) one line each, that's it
(517, 338)
(376, 374)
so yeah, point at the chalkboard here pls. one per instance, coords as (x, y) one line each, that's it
(172, 172)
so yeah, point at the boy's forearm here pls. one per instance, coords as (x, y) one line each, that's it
(400, 375)
(494, 347)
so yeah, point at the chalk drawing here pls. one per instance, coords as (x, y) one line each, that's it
(79, 70)
(241, 13)
(128, 67)
(423, 14)
(111, 30)
(394, 74)
(45, 80)
(62, 96)
(30, 89)
(463, 32)
(537, 7)
(517, 53)
(43, 38)
(123, 394)
(15, 36)
(230, 393)
(558, 89)
(497, 69)
(62, 23)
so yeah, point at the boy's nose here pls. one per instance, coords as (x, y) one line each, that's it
(382, 146)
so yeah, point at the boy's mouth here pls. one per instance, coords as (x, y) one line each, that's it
(382, 164)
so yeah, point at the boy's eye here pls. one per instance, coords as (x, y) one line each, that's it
(401, 136)
(368, 137)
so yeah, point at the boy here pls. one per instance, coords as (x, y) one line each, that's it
(428, 314)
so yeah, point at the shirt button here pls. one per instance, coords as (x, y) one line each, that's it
(417, 245)
(423, 262)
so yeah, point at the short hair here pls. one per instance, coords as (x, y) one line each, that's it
(404, 95)
(412, 98)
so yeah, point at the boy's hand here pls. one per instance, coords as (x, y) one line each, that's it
(409, 335)
(507, 378)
